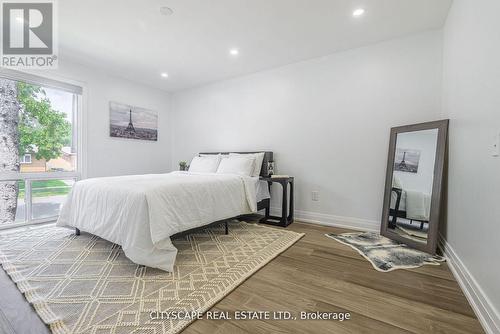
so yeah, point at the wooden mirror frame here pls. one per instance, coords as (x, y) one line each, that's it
(437, 186)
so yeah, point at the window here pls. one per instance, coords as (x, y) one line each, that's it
(40, 151)
(25, 159)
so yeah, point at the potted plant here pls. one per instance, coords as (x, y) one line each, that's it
(183, 166)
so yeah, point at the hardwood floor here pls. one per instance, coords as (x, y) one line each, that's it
(320, 274)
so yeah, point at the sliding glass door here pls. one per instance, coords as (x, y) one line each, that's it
(39, 149)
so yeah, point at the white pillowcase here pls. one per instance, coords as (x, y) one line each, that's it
(206, 164)
(259, 157)
(241, 165)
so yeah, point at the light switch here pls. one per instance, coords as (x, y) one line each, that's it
(495, 147)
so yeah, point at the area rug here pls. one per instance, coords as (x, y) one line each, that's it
(84, 284)
(385, 254)
(413, 232)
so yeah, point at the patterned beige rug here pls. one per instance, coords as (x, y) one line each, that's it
(84, 284)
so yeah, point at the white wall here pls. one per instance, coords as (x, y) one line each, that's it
(326, 119)
(471, 100)
(108, 156)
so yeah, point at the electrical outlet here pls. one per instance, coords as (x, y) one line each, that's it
(495, 146)
(315, 196)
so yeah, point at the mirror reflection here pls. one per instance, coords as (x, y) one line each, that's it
(412, 181)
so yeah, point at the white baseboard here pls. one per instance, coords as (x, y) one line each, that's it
(488, 316)
(333, 220)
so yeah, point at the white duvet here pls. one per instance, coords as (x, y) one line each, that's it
(142, 212)
(416, 204)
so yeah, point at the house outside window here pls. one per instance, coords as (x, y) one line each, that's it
(25, 159)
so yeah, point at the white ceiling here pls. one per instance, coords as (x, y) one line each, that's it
(131, 39)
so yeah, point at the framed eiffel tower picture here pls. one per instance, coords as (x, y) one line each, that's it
(407, 160)
(131, 122)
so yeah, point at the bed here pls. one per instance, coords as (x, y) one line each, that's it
(141, 212)
(411, 205)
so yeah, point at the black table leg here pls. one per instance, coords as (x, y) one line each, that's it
(284, 204)
(266, 212)
(290, 216)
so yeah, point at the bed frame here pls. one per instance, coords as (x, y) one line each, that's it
(264, 204)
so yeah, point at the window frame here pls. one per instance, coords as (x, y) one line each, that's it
(77, 88)
(23, 160)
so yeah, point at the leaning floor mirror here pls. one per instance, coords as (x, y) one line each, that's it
(414, 184)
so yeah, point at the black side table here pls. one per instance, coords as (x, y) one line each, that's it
(285, 219)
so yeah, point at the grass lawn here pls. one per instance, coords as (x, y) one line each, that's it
(45, 188)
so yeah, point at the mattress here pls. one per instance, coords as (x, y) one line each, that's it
(416, 204)
(141, 212)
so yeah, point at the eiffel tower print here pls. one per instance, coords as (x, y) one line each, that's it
(402, 164)
(130, 128)
(126, 121)
(407, 160)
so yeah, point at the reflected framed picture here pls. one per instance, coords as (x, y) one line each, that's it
(131, 122)
(406, 160)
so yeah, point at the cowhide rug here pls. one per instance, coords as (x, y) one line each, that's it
(385, 254)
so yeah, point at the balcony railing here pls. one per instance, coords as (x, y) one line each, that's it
(40, 196)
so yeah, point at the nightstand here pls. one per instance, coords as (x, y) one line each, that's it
(287, 202)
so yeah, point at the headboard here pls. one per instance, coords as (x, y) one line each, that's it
(268, 156)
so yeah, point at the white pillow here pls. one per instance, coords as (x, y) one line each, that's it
(241, 165)
(210, 155)
(207, 164)
(259, 157)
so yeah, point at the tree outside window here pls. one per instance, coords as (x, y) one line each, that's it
(29, 126)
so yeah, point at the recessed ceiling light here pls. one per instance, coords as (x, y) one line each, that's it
(358, 12)
(234, 52)
(167, 11)
(164, 75)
